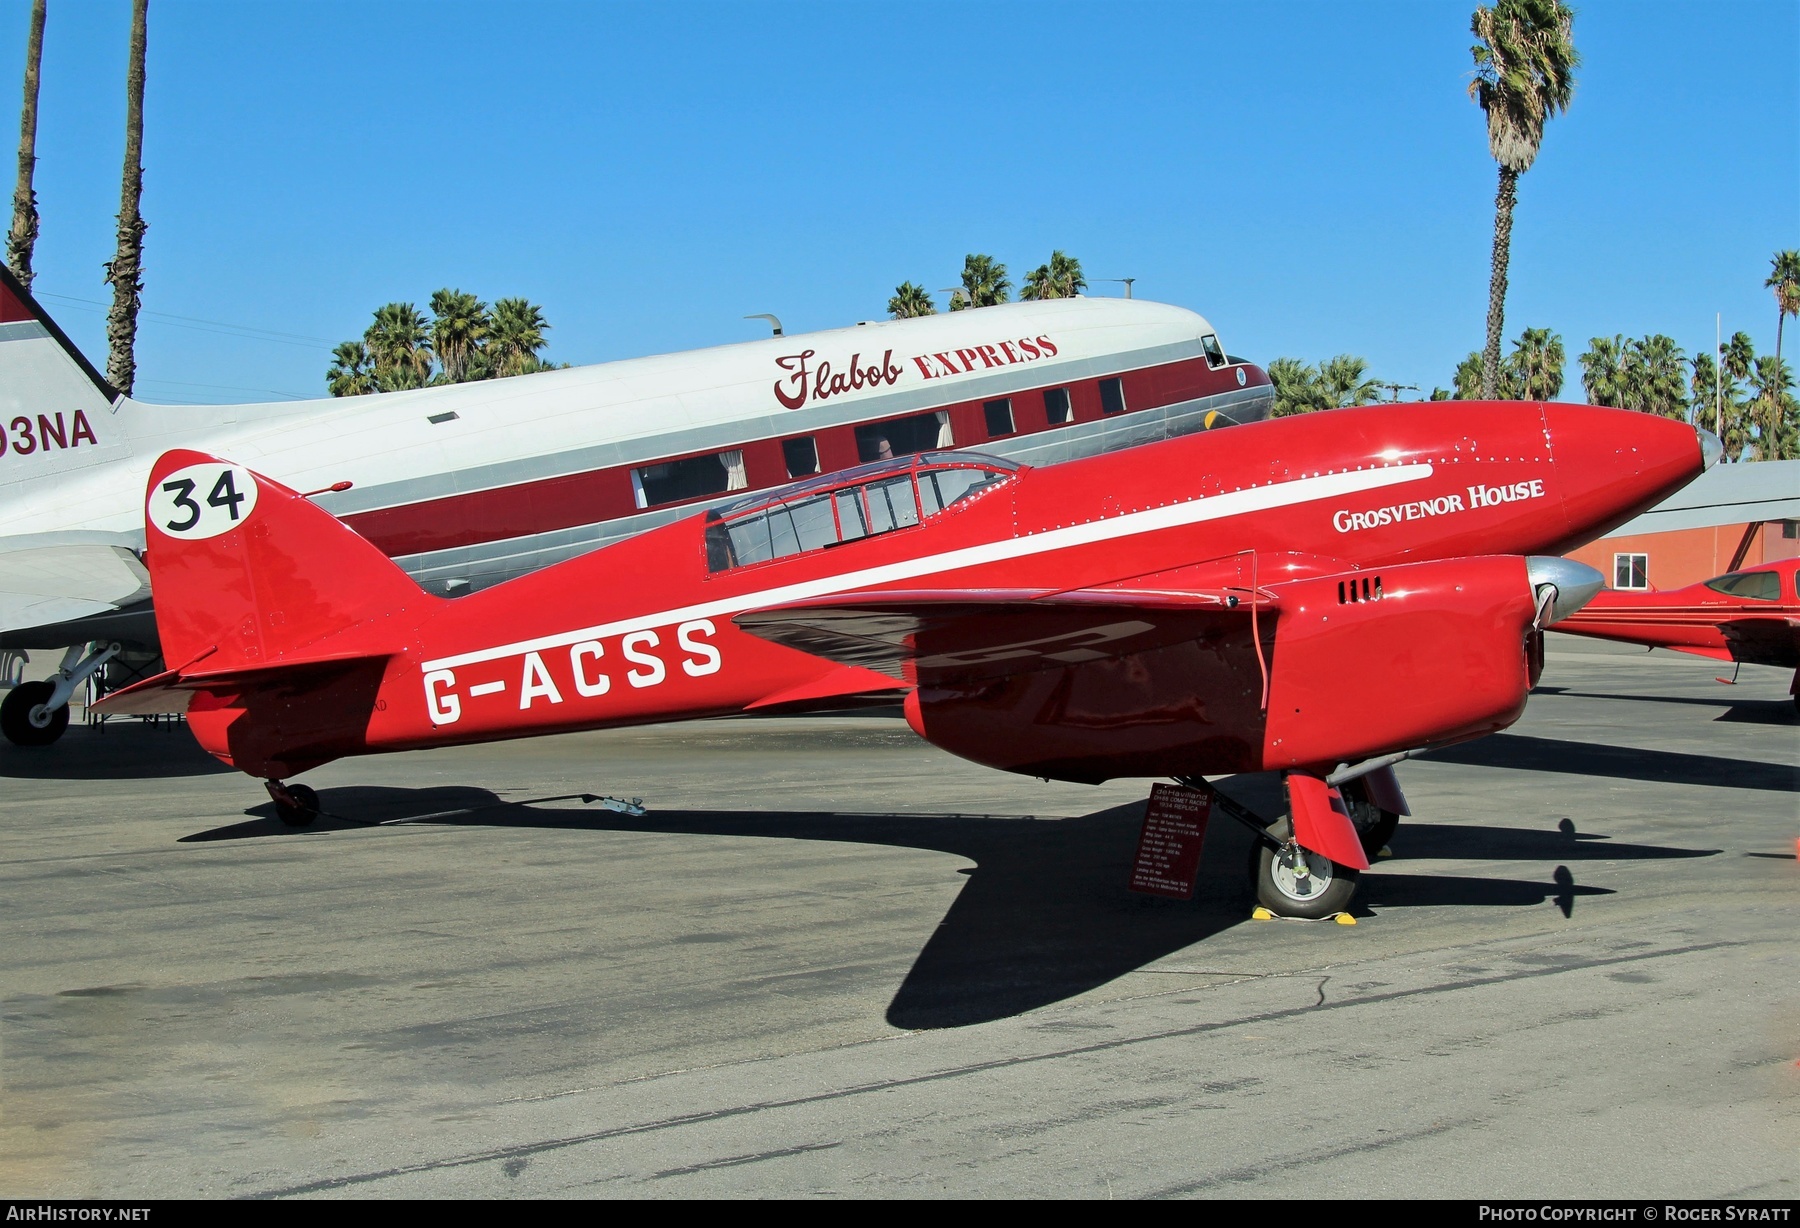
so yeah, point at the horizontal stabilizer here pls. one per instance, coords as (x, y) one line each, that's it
(171, 691)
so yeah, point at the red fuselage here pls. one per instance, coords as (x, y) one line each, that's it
(1227, 556)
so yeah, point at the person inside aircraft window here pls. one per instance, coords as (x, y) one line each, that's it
(940, 488)
(1756, 585)
(1215, 354)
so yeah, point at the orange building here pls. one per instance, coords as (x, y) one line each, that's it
(1731, 516)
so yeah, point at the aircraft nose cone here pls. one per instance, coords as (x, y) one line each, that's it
(1710, 447)
(1614, 463)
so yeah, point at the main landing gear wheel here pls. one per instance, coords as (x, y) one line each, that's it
(299, 808)
(16, 710)
(1374, 826)
(1292, 882)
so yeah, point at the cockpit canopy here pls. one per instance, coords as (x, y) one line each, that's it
(848, 506)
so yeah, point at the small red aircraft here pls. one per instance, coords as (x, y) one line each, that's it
(1317, 595)
(1751, 617)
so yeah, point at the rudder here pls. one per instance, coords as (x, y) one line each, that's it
(247, 573)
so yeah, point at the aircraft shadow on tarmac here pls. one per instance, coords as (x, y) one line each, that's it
(1044, 915)
(1737, 711)
(125, 749)
(1534, 754)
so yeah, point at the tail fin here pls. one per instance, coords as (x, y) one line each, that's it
(248, 575)
(52, 400)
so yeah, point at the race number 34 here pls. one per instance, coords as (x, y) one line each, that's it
(202, 500)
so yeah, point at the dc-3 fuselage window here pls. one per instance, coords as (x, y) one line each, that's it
(812, 519)
(1756, 585)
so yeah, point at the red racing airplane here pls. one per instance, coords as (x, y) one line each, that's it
(1751, 617)
(1317, 595)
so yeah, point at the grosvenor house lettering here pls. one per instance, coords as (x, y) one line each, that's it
(1346, 521)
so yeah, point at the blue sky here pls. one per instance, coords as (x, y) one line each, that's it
(1312, 177)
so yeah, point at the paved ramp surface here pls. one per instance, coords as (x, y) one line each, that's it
(832, 960)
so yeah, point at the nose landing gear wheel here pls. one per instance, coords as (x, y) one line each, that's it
(299, 808)
(15, 715)
(1292, 882)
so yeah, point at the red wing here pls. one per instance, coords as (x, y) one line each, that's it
(940, 638)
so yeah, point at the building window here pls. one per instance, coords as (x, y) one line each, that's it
(802, 456)
(1112, 396)
(999, 417)
(1057, 407)
(1631, 571)
(904, 436)
(1790, 529)
(696, 477)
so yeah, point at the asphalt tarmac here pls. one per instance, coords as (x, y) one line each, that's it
(832, 960)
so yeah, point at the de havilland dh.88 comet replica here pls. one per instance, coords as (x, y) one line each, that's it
(1316, 595)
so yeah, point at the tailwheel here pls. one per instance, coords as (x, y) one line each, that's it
(295, 805)
(1293, 882)
(1374, 826)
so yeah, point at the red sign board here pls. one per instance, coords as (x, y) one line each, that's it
(1168, 852)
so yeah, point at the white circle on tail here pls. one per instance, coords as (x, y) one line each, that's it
(202, 500)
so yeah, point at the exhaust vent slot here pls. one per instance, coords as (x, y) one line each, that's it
(1357, 590)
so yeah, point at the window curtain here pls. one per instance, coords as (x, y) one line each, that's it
(735, 476)
(945, 438)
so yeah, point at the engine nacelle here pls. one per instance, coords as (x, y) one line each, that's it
(1393, 658)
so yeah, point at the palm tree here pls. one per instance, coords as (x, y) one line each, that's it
(1654, 377)
(1784, 280)
(125, 270)
(399, 348)
(1061, 278)
(910, 301)
(1603, 371)
(1296, 387)
(515, 336)
(1536, 365)
(1703, 388)
(984, 284)
(458, 326)
(1467, 379)
(1525, 66)
(25, 214)
(1345, 381)
(350, 375)
(1773, 408)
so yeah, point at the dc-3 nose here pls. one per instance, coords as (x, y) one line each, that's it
(1612, 464)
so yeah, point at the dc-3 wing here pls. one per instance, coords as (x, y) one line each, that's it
(942, 637)
(46, 584)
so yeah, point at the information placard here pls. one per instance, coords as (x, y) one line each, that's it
(1168, 852)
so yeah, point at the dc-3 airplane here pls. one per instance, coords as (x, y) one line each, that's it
(1750, 617)
(468, 485)
(1316, 595)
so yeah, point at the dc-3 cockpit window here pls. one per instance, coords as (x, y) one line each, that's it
(857, 503)
(1757, 585)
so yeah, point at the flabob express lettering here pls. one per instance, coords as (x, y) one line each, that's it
(1479, 496)
(805, 380)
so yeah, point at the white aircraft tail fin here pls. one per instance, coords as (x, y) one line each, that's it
(54, 405)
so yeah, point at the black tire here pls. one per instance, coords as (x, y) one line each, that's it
(1271, 871)
(304, 812)
(15, 715)
(1375, 827)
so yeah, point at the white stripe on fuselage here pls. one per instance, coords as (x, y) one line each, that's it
(1176, 515)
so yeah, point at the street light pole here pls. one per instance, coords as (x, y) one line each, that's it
(773, 322)
(1126, 280)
